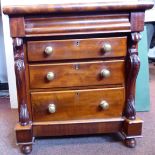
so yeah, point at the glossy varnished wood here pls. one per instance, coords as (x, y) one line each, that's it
(23, 133)
(76, 49)
(137, 21)
(60, 25)
(17, 26)
(77, 74)
(77, 104)
(133, 65)
(20, 72)
(73, 25)
(85, 127)
(132, 128)
(79, 7)
(24, 137)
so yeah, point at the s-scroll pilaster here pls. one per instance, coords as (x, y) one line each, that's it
(133, 65)
(24, 118)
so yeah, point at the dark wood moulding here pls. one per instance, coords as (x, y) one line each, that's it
(77, 7)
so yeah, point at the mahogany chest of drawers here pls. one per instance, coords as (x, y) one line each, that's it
(76, 67)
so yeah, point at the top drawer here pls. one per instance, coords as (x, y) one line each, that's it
(76, 49)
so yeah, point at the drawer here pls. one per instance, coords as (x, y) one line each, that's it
(76, 49)
(77, 104)
(76, 74)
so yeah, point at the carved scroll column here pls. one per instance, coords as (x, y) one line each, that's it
(133, 65)
(20, 81)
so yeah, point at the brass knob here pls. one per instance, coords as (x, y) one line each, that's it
(104, 105)
(52, 108)
(48, 50)
(105, 73)
(50, 76)
(106, 47)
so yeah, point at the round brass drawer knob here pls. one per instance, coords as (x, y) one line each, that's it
(48, 50)
(104, 105)
(106, 47)
(50, 76)
(105, 73)
(52, 108)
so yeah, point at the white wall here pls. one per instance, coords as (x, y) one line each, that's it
(3, 72)
(150, 15)
(9, 59)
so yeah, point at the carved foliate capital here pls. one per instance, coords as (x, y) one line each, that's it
(17, 42)
(18, 49)
(135, 38)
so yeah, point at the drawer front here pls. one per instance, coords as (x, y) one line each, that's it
(76, 49)
(78, 24)
(76, 74)
(77, 104)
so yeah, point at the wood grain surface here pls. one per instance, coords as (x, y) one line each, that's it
(61, 25)
(76, 74)
(67, 129)
(78, 7)
(77, 104)
(76, 48)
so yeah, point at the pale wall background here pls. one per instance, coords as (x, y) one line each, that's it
(8, 41)
(3, 73)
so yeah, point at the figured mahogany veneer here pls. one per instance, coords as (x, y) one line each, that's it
(76, 67)
(76, 49)
(77, 104)
(76, 74)
(72, 25)
(77, 127)
(121, 5)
